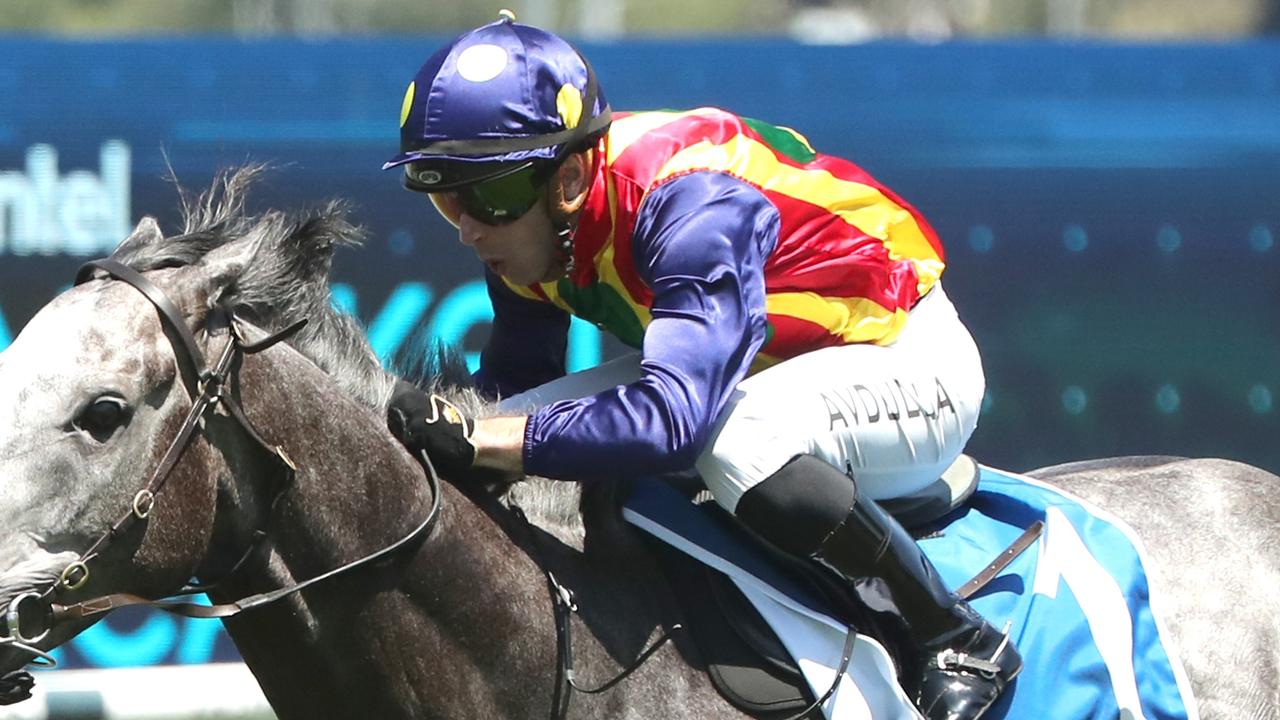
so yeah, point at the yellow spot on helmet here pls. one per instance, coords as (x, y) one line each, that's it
(407, 104)
(569, 105)
(508, 15)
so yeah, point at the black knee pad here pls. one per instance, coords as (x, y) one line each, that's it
(798, 506)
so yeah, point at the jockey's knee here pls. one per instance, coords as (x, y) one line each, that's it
(746, 448)
(799, 506)
(728, 471)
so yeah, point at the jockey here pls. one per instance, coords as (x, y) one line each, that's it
(795, 344)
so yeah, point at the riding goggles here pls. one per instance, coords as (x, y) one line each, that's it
(497, 201)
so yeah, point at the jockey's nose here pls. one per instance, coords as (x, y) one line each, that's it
(470, 230)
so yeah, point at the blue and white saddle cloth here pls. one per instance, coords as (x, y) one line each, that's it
(1078, 604)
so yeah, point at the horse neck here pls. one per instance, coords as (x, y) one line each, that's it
(467, 610)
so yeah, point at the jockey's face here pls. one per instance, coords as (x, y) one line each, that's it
(524, 252)
(527, 250)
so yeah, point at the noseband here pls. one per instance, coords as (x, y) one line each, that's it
(208, 388)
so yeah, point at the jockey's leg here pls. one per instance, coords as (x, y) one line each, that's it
(895, 417)
(811, 510)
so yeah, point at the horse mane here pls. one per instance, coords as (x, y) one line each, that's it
(288, 279)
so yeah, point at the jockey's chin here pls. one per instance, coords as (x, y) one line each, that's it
(526, 275)
(524, 252)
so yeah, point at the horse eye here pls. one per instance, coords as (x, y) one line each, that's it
(103, 417)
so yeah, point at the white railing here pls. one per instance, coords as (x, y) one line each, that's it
(218, 691)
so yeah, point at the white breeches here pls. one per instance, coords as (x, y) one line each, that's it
(897, 416)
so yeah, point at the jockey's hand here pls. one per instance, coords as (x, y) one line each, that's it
(432, 424)
(15, 687)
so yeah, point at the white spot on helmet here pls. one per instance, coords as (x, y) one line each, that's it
(482, 63)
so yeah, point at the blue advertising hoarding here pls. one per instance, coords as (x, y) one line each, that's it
(1110, 212)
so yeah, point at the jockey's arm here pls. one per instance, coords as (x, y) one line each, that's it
(499, 442)
(700, 243)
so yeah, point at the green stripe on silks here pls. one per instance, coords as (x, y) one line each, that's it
(602, 305)
(783, 141)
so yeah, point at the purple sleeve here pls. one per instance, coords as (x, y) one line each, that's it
(700, 242)
(526, 345)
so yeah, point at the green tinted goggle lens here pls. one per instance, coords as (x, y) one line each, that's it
(498, 201)
(501, 200)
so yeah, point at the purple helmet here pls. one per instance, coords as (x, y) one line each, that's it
(497, 99)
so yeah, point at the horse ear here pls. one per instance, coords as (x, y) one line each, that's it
(146, 233)
(223, 266)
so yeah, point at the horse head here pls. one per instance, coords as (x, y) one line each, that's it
(98, 385)
(91, 391)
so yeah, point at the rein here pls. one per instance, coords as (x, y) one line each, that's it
(207, 385)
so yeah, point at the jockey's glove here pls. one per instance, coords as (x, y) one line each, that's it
(431, 424)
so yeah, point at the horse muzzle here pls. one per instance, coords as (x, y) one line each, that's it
(26, 619)
(26, 623)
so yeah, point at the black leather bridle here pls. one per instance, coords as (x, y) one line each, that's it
(208, 386)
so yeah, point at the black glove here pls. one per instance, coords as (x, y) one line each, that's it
(16, 687)
(423, 422)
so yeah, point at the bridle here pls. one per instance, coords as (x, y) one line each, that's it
(208, 387)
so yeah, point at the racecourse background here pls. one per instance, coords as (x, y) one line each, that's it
(1110, 211)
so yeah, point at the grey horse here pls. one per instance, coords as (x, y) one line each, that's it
(92, 391)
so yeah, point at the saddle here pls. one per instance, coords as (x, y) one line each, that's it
(746, 661)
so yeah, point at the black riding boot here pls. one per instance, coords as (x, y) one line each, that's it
(963, 662)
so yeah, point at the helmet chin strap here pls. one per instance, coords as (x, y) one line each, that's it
(564, 218)
(564, 232)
